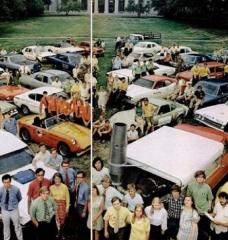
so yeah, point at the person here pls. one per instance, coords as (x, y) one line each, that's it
(102, 98)
(98, 207)
(202, 196)
(10, 124)
(52, 104)
(10, 196)
(158, 219)
(132, 134)
(132, 198)
(41, 158)
(44, 104)
(85, 111)
(174, 203)
(150, 67)
(188, 221)
(187, 94)
(116, 219)
(63, 107)
(197, 98)
(60, 193)
(116, 63)
(44, 215)
(140, 124)
(76, 88)
(98, 170)
(220, 221)
(5, 76)
(105, 131)
(195, 70)
(204, 72)
(36, 185)
(1, 118)
(226, 70)
(75, 105)
(140, 224)
(143, 66)
(54, 160)
(56, 83)
(136, 70)
(24, 69)
(82, 192)
(148, 113)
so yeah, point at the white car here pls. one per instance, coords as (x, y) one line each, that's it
(30, 101)
(147, 47)
(66, 48)
(38, 52)
(214, 116)
(15, 159)
(152, 86)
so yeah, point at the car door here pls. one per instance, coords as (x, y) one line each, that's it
(164, 115)
(34, 102)
(37, 81)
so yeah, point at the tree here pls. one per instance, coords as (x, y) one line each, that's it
(34, 7)
(139, 7)
(70, 5)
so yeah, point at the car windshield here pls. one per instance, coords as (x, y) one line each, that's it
(210, 89)
(75, 59)
(49, 122)
(18, 58)
(144, 83)
(15, 160)
(141, 44)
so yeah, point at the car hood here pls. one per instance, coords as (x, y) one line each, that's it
(6, 107)
(135, 90)
(11, 91)
(217, 113)
(73, 131)
(46, 54)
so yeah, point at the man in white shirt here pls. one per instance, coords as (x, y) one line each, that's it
(42, 157)
(132, 134)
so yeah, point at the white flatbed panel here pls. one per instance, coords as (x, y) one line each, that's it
(173, 154)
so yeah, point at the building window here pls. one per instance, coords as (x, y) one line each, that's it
(101, 5)
(111, 6)
(121, 5)
(84, 4)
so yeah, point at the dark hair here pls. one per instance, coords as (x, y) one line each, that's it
(115, 199)
(44, 92)
(200, 173)
(132, 125)
(6, 177)
(42, 144)
(81, 172)
(176, 188)
(65, 161)
(38, 170)
(95, 186)
(223, 195)
(97, 159)
(193, 202)
(53, 150)
(57, 174)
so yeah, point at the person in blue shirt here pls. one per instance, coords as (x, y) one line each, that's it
(10, 196)
(9, 123)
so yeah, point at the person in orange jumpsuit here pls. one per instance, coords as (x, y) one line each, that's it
(85, 111)
(44, 104)
(63, 108)
(52, 104)
(76, 103)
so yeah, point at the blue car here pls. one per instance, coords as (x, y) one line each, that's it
(216, 91)
(65, 61)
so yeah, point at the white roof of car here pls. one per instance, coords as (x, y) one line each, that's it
(173, 154)
(50, 90)
(9, 143)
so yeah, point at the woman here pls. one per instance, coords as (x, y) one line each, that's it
(189, 218)
(98, 170)
(158, 219)
(98, 208)
(140, 224)
(60, 194)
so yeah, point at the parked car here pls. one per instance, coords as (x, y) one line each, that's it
(98, 51)
(65, 61)
(140, 37)
(138, 56)
(15, 159)
(8, 107)
(7, 93)
(38, 53)
(29, 101)
(216, 71)
(214, 116)
(15, 61)
(65, 47)
(151, 86)
(67, 137)
(147, 47)
(166, 112)
(220, 55)
(44, 78)
(216, 91)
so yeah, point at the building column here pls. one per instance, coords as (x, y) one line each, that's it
(95, 6)
(125, 4)
(106, 11)
(116, 11)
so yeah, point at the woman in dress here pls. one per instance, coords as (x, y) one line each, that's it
(98, 208)
(140, 224)
(60, 194)
(98, 170)
(189, 218)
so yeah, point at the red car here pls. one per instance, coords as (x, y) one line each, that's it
(9, 92)
(98, 51)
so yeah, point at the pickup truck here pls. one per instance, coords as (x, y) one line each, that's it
(167, 156)
(139, 37)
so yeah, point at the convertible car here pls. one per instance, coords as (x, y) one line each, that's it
(67, 137)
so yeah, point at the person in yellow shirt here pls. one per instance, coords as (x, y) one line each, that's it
(148, 113)
(226, 70)
(204, 72)
(195, 73)
(76, 88)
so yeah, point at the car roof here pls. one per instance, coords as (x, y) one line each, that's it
(157, 78)
(40, 90)
(70, 54)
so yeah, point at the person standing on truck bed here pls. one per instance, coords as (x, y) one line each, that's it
(202, 196)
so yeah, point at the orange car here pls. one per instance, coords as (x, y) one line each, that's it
(9, 92)
(67, 137)
(98, 51)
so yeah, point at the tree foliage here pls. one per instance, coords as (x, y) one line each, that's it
(70, 5)
(139, 7)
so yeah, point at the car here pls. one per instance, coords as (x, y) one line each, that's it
(152, 86)
(67, 137)
(65, 47)
(8, 107)
(44, 78)
(214, 116)
(15, 159)
(147, 47)
(29, 101)
(65, 61)
(8, 92)
(14, 61)
(166, 112)
(98, 51)
(185, 49)
(38, 52)
(138, 56)
(140, 37)
(221, 55)
(216, 91)
(216, 71)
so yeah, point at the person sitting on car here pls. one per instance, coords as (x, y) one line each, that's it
(136, 70)
(37, 121)
(226, 70)
(187, 95)
(150, 67)
(143, 68)
(195, 74)
(132, 134)
(56, 83)
(197, 98)
(204, 72)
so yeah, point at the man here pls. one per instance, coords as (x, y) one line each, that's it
(63, 107)
(197, 98)
(202, 196)
(52, 104)
(204, 72)
(10, 124)
(148, 113)
(85, 111)
(36, 185)
(136, 70)
(105, 131)
(195, 74)
(55, 160)
(44, 104)
(132, 134)
(24, 69)
(150, 67)
(44, 215)
(41, 157)
(10, 196)
(116, 219)
(174, 203)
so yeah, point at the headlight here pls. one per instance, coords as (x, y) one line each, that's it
(222, 127)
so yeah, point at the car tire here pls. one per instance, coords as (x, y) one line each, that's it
(25, 135)
(63, 149)
(25, 110)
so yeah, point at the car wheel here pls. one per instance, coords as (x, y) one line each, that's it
(25, 135)
(25, 110)
(63, 149)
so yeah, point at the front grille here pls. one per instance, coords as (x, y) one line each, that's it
(212, 123)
